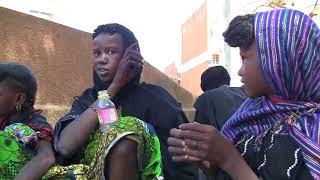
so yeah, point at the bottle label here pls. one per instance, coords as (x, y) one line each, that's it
(107, 116)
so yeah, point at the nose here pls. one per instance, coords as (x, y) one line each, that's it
(240, 72)
(103, 58)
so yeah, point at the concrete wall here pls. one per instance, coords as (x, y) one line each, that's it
(59, 56)
(61, 59)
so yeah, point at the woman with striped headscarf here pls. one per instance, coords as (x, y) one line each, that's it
(275, 134)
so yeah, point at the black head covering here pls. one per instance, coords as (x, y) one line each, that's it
(128, 39)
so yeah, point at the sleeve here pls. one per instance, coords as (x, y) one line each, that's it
(40, 124)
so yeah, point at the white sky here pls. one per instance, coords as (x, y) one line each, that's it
(156, 23)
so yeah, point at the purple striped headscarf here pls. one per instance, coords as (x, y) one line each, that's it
(288, 43)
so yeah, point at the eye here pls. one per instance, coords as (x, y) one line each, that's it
(109, 52)
(96, 53)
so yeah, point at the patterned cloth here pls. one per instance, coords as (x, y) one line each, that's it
(288, 43)
(91, 166)
(14, 152)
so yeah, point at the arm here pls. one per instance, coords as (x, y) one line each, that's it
(39, 164)
(70, 138)
(77, 132)
(237, 168)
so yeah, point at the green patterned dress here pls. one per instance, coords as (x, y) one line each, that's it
(14, 150)
(92, 162)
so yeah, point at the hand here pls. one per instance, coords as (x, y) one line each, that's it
(128, 67)
(205, 143)
(177, 148)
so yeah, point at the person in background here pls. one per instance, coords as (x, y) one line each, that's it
(218, 101)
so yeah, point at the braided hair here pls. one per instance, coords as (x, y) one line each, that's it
(240, 32)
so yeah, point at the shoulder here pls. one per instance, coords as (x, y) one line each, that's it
(38, 120)
(153, 87)
(225, 90)
(158, 92)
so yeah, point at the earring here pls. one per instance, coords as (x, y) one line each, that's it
(18, 107)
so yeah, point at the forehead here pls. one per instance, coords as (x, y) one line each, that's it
(107, 39)
(252, 50)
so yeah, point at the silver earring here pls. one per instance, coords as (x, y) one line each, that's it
(18, 107)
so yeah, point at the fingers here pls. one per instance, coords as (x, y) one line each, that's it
(133, 50)
(196, 127)
(197, 145)
(176, 142)
(187, 159)
(195, 153)
(177, 133)
(193, 135)
(133, 65)
(177, 151)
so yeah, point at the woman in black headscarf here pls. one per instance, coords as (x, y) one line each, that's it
(117, 68)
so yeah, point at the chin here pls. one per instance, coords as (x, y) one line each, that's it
(105, 79)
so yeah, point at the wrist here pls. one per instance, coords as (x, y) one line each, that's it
(237, 168)
(231, 164)
(113, 89)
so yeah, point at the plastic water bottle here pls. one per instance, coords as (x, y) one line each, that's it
(107, 113)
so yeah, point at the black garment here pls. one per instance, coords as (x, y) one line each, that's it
(277, 156)
(214, 107)
(147, 102)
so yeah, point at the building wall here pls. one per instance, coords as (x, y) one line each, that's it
(194, 34)
(194, 48)
(191, 79)
(59, 55)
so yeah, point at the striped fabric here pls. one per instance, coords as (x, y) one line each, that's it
(288, 43)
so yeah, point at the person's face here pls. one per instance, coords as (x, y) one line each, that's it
(107, 52)
(252, 79)
(9, 99)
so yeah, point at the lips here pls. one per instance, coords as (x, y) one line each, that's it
(103, 71)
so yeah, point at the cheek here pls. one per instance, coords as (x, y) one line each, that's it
(95, 62)
(6, 104)
(245, 70)
(113, 65)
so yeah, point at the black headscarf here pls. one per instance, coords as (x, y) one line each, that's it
(147, 102)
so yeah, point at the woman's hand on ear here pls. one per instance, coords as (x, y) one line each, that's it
(129, 66)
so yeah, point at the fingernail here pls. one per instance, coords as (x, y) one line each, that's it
(183, 143)
(184, 149)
